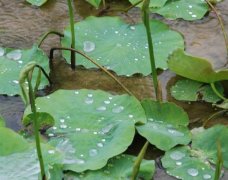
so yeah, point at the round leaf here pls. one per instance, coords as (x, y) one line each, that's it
(121, 47)
(185, 9)
(166, 126)
(90, 126)
(11, 63)
(119, 167)
(195, 68)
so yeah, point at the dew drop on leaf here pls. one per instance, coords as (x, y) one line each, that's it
(93, 152)
(177, 155)
(14, 55)
(206, 176)
(118, 109)
(101, 108)
(89, 100)
(193, 172)
(88, 46)
(2, 51)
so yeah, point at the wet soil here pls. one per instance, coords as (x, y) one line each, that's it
(21, 25)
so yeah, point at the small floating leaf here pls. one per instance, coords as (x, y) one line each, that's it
(189, 90)
(195, 68)
(37, 2)
(166, 126)
(90, 133)
(119, 167)
(12, 62)
(122, 47)
(185, 9)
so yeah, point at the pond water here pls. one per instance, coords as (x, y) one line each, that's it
(21, 24)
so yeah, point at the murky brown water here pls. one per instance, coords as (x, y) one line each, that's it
(21, 25)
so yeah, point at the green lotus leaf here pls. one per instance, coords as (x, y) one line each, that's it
(2, 122)
(90, 126)
(166, 126)
(121, 47)
(95, 3)
(186, 9)
(45, 120)
(153, 3)
(189, 90)
(56, 173)
(207, 142)
(184, 163)
(195, 68)
(37, 2)
(12, 62)
(119, 167)
(18, 158)
(195, 162)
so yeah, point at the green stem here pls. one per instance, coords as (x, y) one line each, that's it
(146, 20)
(219, 162)
(104, 4)
(73, 63)
(217, 92)
(36, 128)
(46, 35)
(138, 161)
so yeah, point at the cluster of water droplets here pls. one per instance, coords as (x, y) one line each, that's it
(177, 156)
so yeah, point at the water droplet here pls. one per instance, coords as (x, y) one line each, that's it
(54, 128)
(50, 134)
(190, 12)
(95, 132)
(118, 109)
(62, 120)
(132, 27)
(88, 46)
(79, 161)
(100, 145)
(175, 132)
(89, 100)
(63, 126)
(84, 130)
(103, 140)
(116, 32)
(190, 6)
(193, 172)
(107, 102)
(118, 45)
(14, 55)
(110, 98)
(90, 95)
(93, 152)
(130, 116)
(194, 16)
(101, 108)
(16, 81)
(136, 59)
(20, 62)
(107, 128)
(206, 176)
(76, 92)
(51, 151)
(177, 155)
(178, 163)
(78, 129)
(81, 155)
(2, 51)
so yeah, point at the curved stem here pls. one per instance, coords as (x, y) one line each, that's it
(138, 161)
(71, 15)
(217, 92)
(219, 113)
(221, 24)
(36, 128)
(91, 60)
(47, 34)
(45, 74)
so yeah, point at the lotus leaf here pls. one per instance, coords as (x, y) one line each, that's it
(90, 126)
(195, 68)
(11, 63)
(189, 90)
(185, 9)
(18, 158)
(122, 47)
(194, 163)
(119, 167)
(166, 126)
(37, 2)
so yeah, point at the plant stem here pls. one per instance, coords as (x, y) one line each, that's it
(219, 162)
(138, 161)
(217, 92)
(36, 128)
(215, 115)
(146, 21)
(47, 34)
(221, 24)
(104, 4)
(73, 58)
(94, 62)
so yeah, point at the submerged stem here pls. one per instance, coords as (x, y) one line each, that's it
(71, 15)
(94, 62)
(46, 35)
(221, 24)
(36, 128)
(217, 92)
